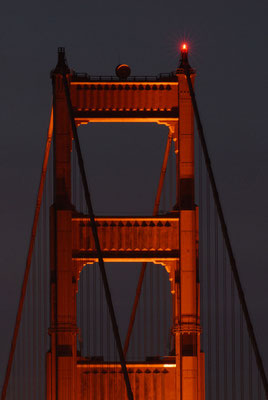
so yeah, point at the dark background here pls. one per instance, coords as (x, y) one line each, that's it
(228, 46)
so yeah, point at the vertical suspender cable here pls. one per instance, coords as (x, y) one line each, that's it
(164, 202)
(37, 304)
(133, 344)
(29, 257)
(24, 358)
(74, 177)
(200, 263)
(94, 295)
(224, 300)
(241, 295)
(209, 294)
(39, 308)
(108, 351)
(158, 314)
(233, 339)
(14, 379)
(139, 334)
(80, 196)
(20, 363)
(250, 372)
(81, 280)
(45, 275)
(81, 303)
(34, 324)
(101, 316)
(217, 311)
(259, 387)
(28, 383)
(170, 168)
(88, 270)
(96, 239)
(164, 291)
(145, 314)
(241, 355)
(151, 312)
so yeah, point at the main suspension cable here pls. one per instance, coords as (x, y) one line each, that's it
(96, 240)
(225, 233)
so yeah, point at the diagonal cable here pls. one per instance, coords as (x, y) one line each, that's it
(29, 257)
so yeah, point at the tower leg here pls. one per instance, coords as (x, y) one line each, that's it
(62, 358)
(189, 359)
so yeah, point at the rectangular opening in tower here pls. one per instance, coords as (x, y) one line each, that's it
(151, 339)
(123, 163)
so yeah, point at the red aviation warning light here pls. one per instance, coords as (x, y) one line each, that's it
(184, 48)
(184, 55)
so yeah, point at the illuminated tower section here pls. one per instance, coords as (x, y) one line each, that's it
(62, 357)
(189, 358)
(169, 240)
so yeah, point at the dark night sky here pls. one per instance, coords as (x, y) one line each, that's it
(228, 46)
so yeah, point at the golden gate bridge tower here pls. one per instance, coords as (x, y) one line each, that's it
(171, 241)
(212, 351)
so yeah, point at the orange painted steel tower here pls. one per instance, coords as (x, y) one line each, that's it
(170, 240)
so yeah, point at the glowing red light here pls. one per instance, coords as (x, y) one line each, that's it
(184, 48)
